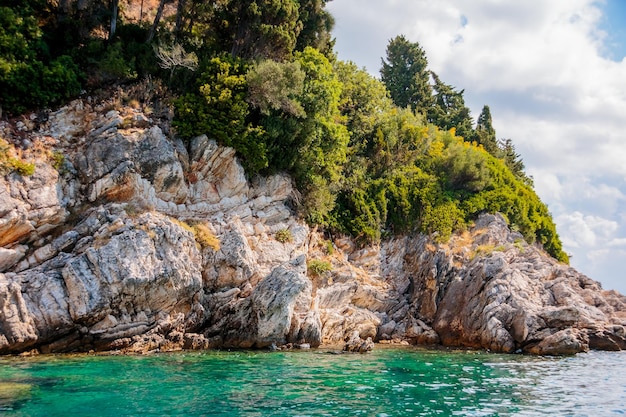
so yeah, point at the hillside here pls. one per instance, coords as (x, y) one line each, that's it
(215, 177)
(371, 158)
(133, 242)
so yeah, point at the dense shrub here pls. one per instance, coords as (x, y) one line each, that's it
(284, 236)
(219, 109)
(318, 267)
(11, 162)
(28, 77)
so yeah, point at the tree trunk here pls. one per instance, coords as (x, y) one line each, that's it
(180, 10)
(157, 19)
(113, 19)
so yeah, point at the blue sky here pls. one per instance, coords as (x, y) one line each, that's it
(554, 75)
(614, 23)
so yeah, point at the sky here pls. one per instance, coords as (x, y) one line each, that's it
(554, 76)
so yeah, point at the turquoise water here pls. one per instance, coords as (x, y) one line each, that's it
(386, 382)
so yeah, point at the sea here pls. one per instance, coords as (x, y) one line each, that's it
(389, 381)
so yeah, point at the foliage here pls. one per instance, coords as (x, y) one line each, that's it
(312, 143)
(323, 141)
(518, 202)
(486, 250)
(442, 219)
(219, 109)
(317, 25)
(204, 237)
(29, 77)
(364, 100)
(370, 157)
(260, 28)
(284, 236)
(463, 167)
(58, 160)
(449, 110)
(202, 234)
(276, 86)
(513, 160)
(11, 162)
(127, 57)
(485, 134)
(114, 65)
(174, 56)
(328, 247)
(318, 267)
(406, 76)
(23, 168)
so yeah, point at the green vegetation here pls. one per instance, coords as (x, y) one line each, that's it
(486, 250)
(371, 158)
(57, 160)
(11, 162)
(328, 247)
(318, 267)
(284, 236)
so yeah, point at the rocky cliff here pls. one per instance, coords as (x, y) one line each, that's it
(136, 241)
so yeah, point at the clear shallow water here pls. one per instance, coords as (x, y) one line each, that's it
(386, 382)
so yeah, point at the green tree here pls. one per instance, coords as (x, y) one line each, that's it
(364, 99)
(513, 160)
(219, 109)
(449, 110)
(464, 168)
(317, 25)
(406, 76)
(323, 138)
(29, 76)
(275, 86)
(399, 140)
(259, 29)
(485, 134)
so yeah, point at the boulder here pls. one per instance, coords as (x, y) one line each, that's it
(356, 344)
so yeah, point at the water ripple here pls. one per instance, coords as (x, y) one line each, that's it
(387, 382)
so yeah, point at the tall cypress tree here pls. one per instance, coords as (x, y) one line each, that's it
(485, 133)
(406, 76)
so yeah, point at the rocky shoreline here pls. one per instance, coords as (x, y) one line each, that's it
(137, 242)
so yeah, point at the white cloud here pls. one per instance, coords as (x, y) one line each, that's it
(541, 67)
(580, 230)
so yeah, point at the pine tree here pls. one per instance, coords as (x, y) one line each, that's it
(406, 76)
(485, 133)
(260, 29)
(513, 160)
(449, 110)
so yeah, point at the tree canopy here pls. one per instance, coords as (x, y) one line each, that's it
(406, 76)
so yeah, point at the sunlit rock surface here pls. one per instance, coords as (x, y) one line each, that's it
(109, 251)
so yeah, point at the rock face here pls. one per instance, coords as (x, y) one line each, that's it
(139, 242)
(489, 289)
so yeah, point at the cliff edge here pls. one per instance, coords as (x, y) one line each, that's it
(136, 241)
